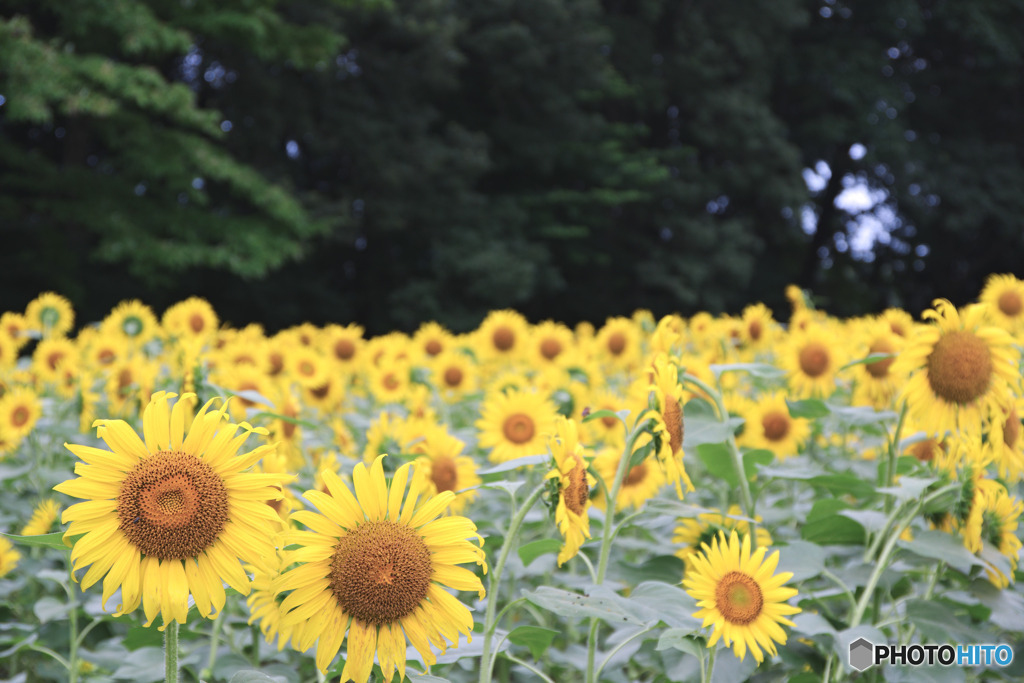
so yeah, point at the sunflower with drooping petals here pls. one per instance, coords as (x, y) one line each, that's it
(441, 466)
(1005, 296)
(50, 314)
(741, 596)
(43, 517)
(574, 486)
(694, 533)
(377, 571)
(961, 369)
(769, 425)
(997, 521)
(515, 424)
(667, 416)
(168, 516)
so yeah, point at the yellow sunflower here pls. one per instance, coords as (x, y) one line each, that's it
(379, 571)
(667, 395)
(900, 322)
(43, 517)
(618, 343)
(693, 533)
(48, 355)
(1004, 435)
(960, 369)
(391, 382)
(308, 368)
(19, 411)
(9, 557)
(515, 424)
(389, 433)
(877, 383)
(169, 515)
(132, 321)
(454, 374)
(550, 344)
(502, 335)
(129, 385)
(432, 339)
(50, 314)
(16, 327)
(769, 425)
(8, 351)
(344, 344)
(998, 520)
(741, 596)
(758, 329)
(443, 467)
(811, 359)
(574, 485)
(248, 379)
(265, 607)
(641, 483)
(193, 318)
(1005, 295)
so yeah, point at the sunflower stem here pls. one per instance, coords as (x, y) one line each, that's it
(894, 444)
(218, 623)
(490, 623)
(711, 665)
(73, 627)
(171, 652)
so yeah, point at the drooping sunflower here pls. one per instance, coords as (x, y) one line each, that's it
(43, 517)
(132, 321)
(960, 369)
(667, 397)
(19, 411)
(998, 520)
(811, 358)
(442, 466)
(50, 314)
(9, 557)
(169, 515)
(693, 533)
(1005, 295)
(769, 425)
(377, 571)
(741, 596)
(574, 485)
(515, 424)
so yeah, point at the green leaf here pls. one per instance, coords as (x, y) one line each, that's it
(531, 551)
(140, 636)
(701, 425)
(609, 607)
(45, 540)
(679, 639)
(50, 609)
(762, 370)
(600, 414)
(861, 416)
(534, 637)
(667, 568)
(811, 624)
(938, 545)
(754, 460)
(810, 408)
(667, 602)
(825, 527)
(909, 488)
(525, 461)
(840, 484)
(934, 619)
(872, 358)
(717, 458)
(801, 558)
(253, 676)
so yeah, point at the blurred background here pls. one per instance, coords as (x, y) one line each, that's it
(388, 163)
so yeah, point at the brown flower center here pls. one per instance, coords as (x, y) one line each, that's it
(672, 414)
(1011, 430)
(20, 416)
(814, 359)
(453, 377)
(503, 338)
(444, 474)
(380, 572)
(518, 428)
(172, 505)
(960, 367)
(617, 343)
(577, 493)
(926, 449)
(880, 368)
(775, 425)
(344, 349)
(197, 323)
(321, 391)
(106, 357)
(54, 359)
(307, 369)
(550, 348)
(433, 347)
(738, 598)
(390, 382)
(755, 330)
(1010, 304)
(276, 360)
(637, 473)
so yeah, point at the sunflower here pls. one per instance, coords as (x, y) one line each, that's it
(876, 383)
(50, 314)
(900, 322)
(16, 326)
(9, 557)
(48, 355)
(1004, 435)
(168, 516)
(811, 358)
(758, 329)
(344, 344)
(960, 369)
(131, 321)
(454, 374)
(501, 336)
(574, 486)
(130, 384)
(378, 571)
(997, 527)
(515, 424)
(667, 396)
(259, 389)
(389, 433)
(432, 339)
(693, 533)
(265, 607)
(442, 467)
(741, 596)
(306, 367)
(391, 382)
(8, 351)
(606, 430)
(550, 344)
(19, 410)
(641, 483)
(43, 517)
(193, 318)
(769, 425)
(1005, 296)
(618, 343)
(102, 350)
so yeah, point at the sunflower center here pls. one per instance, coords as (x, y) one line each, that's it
(550, 348)
(307, 368)
(453, 377)
(503, 338)
(814, 359)
(20, 416)
(518, 428)
(132, 326)
(617, 343)
(276, 360)
(738, 598)
(390, 381)
(577, 492)
(344, 349)
(960, 367)
(925, 450)
(197, 323)
(443, 474)
(775, 425)
(609, 422)
(637, 473)
(54, 359)
(880, 368)
(106, 357)
(380, 572)
(673, 416)
(321, 391)
(755, 330)
(1010, 304)
(1011, 430)
(49, 316)
(125, 380)
(172, 505)
(433, 347)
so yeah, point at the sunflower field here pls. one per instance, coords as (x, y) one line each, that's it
(705, 498)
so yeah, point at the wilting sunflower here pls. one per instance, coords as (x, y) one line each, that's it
(1005, 295)
(43, 517)
(193, 318)
(574, 485)
(19, 411)
(51, 314)
(442, 467)
(769, 425)
(667, 396)
(695, 533)
(811, 358)
(132, 321)
(515, 424)
(168, 516)
(9, 557)
(961, 369)
(378, 571)
(741, 596)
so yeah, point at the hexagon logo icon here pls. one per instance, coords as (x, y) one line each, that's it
(862, 654)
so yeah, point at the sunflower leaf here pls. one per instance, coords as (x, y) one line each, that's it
(871, 358)
(531, 551)
(608, 606)
(761, 370)
(938, 545)
(53, 540)
(808, 408)
(524, 461)
(536, 638)
(679, 639)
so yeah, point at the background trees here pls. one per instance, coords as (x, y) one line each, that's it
(393, 162)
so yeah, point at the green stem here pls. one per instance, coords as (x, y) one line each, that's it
(218, 623)
(929, 590)
(894, 445)
(73, 629)
(51, 653)
(711, 665)
(486, 660)
(171, 652)
(619, 647)
(533, 669)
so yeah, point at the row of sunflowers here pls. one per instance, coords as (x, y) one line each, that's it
(844, 479)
